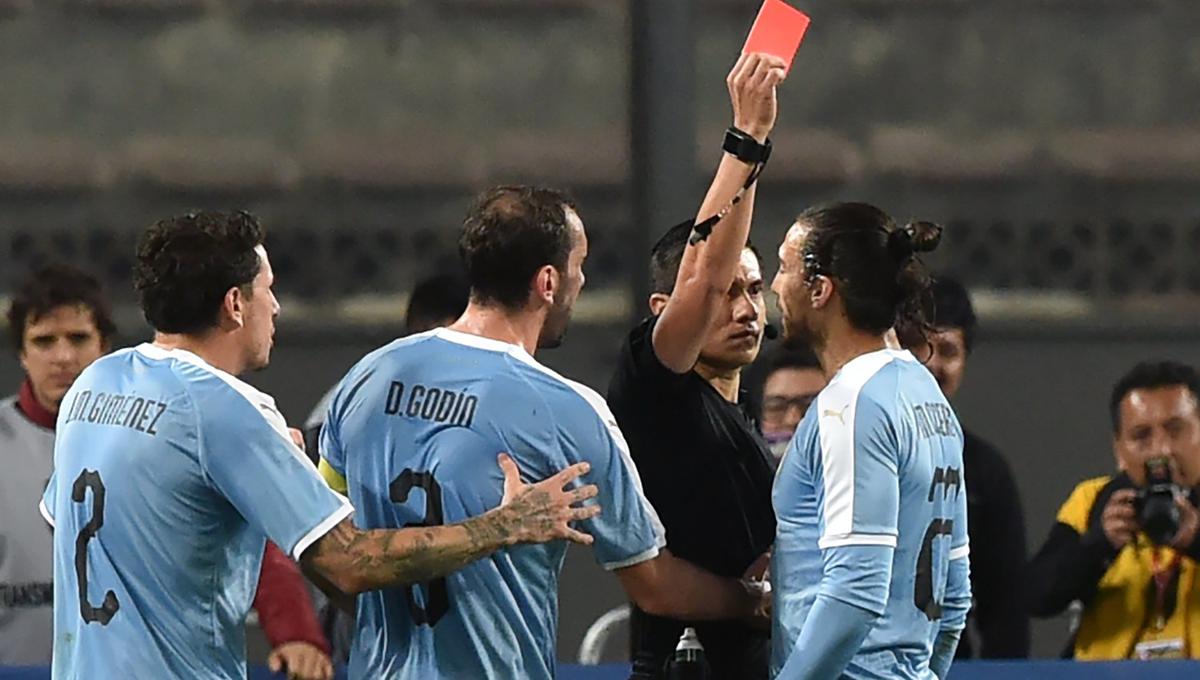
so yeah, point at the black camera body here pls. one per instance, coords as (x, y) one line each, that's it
(1157, 513)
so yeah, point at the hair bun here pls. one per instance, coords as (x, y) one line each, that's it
(914, 237)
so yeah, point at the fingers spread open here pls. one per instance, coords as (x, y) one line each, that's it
(512, 475)
(586, 512)
(571, 474)
(583, 493)
(577, 537)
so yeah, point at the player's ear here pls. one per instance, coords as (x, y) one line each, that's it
(546, 283)
(820, 291)
(658, 302)
(233, 307)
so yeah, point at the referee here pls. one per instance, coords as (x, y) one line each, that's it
(676, 394)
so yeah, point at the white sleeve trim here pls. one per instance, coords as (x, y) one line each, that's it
(644, 556)
(827, 541)
(46, 513)
(321, 529)
(960, 552)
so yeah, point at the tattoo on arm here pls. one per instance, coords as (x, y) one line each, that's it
(356, 559)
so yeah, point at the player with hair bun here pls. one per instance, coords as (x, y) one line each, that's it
(870, 565)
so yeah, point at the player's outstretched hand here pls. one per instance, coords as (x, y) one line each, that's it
(537, 513)
(752, 92)
(301, 661)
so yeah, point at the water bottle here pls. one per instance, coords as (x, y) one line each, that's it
(688, 663)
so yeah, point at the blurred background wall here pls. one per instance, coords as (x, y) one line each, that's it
(1058, 140)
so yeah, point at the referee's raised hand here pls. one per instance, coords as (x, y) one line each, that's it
(541, 512)
(752, 92)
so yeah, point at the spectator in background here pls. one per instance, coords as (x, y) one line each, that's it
(1137, 579)
(435, 302)
(793, 380)
(998, 625)
(60, 322)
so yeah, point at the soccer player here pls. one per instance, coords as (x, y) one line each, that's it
(870, 567)
(409, 431)
(170, 473)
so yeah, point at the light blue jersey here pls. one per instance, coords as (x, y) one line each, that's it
(871, 509)
(413, 431)
(169, 476)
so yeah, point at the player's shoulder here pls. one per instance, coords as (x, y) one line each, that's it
(208, 387)
(567, 397)
(392, 352)
(870, 380)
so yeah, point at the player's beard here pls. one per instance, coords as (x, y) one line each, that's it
(799, 331)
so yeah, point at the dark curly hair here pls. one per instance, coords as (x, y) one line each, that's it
(53, 286)
(881, 280)
(185, 266)
(510, 233)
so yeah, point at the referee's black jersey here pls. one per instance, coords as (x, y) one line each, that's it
(707, 472)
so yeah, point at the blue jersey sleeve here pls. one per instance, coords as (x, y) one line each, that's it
(859, 497)
(248, 456)
(627, 531)
(957, 601)
(826, 647)
(857, 574)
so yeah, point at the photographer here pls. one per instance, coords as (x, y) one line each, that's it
(1125, 546)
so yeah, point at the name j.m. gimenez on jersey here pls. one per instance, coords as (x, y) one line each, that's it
(435, 404)
(122, 410)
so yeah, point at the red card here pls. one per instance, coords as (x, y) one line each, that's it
(778, 31)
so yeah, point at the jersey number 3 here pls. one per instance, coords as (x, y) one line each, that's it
(90, 479)
(437, 600)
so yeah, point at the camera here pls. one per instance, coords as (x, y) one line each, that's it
(1155, 503)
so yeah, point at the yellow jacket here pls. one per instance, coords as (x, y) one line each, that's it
(1117, 617)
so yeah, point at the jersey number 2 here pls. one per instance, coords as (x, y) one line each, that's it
(923, 588)
(90, 479)
(437, 600)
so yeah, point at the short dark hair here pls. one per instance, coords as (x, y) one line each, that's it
(511, 232)
(56, 285)
(1150, 375)
(435, 299)
(792, 357)
(952, 308)
(881, 280)
(667, 255)
(186, 264)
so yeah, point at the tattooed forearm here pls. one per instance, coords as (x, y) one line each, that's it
(357, 560)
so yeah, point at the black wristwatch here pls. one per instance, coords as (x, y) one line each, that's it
(746, 148)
